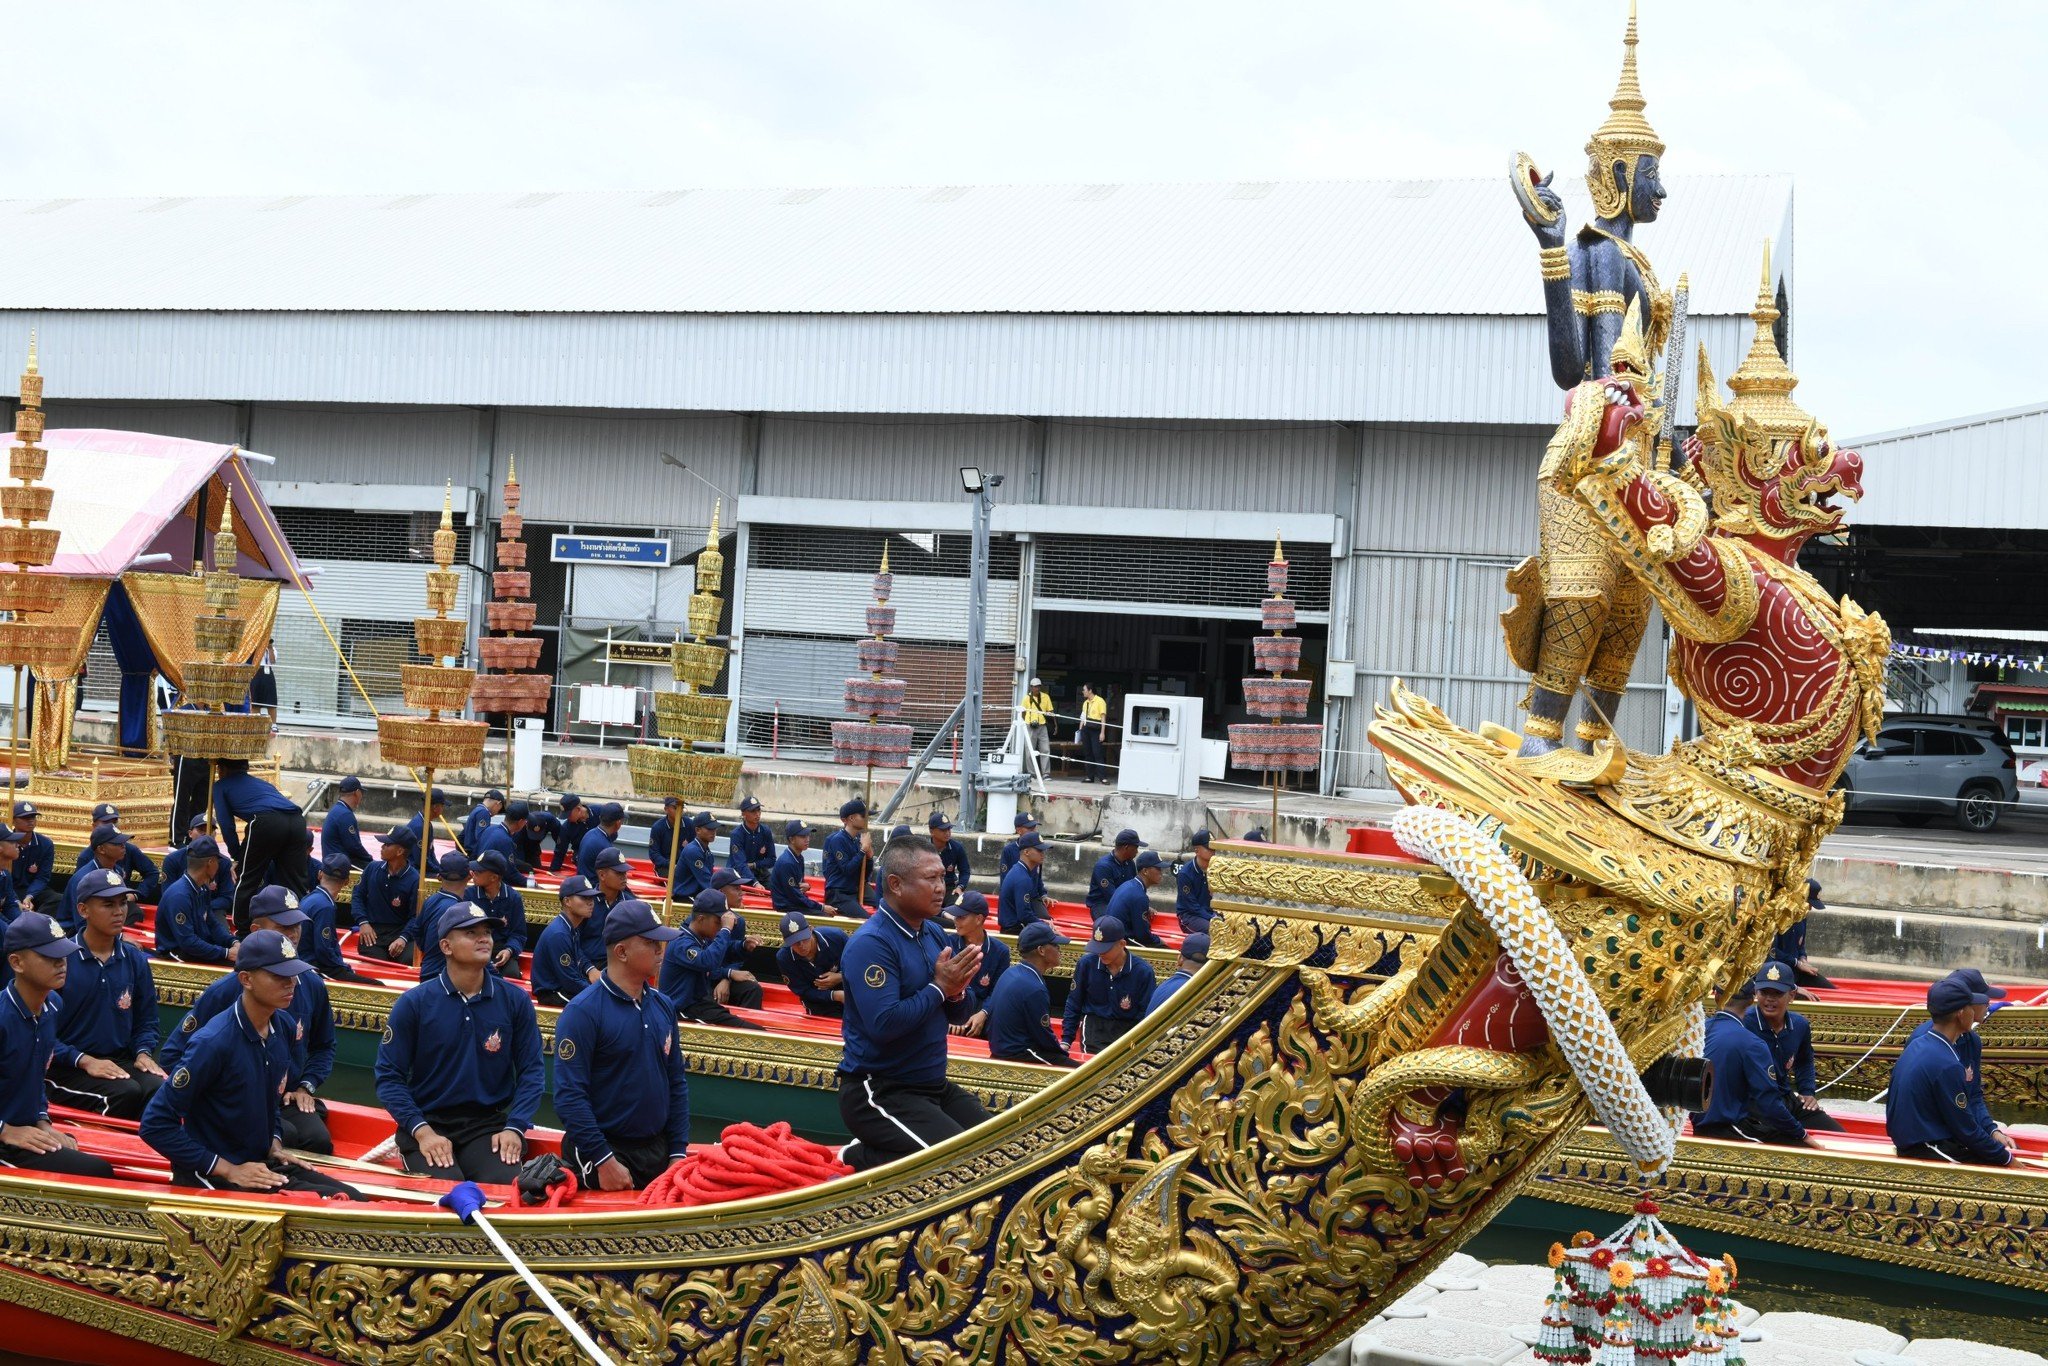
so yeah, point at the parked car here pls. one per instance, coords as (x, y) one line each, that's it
(1918, 770)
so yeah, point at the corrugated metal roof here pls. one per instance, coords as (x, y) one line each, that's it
(1989, 470)
(1329, 247)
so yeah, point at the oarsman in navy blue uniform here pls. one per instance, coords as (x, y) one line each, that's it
(1745, 1103)
(612, 889)
(188, 928)
(420, 941)
(970, 927)
(491, 889)
(1021, 899)
(311, 1024)
(479, 820)
(562, 965)
(35, 870)
(136, 866)
(1194, 951)
(788, 890)
(11, 844)
(106, 846)
(220, 1122)
(904, 986)
(621, 1087)
(1020, 1011)
(107, 1011)
(318, 941)
(37, 955)
(602, 835)
(809, 961)
(695, 862)
(1970, 1048)
(422, 824)
(952, 853)
(846, 860)
(387, 898)
(543, 825)
(173, 866)
(503, 840)
(1111, 990)
(662, 834)
(459, 1067)
(750, 848)
(273, 845)
(1790, 945)
(1112, 871)
(701, 971)
(573, 827)
(1024, 822)
(1790, 1039)
(338, 831)
(1927, 1108)
(1191, 906)
(1131, 902)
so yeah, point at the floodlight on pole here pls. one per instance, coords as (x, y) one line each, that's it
(970, 479)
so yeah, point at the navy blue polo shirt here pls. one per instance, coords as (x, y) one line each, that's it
(659, 836)
(787, 888)
(744, 848)
(1791, 1050)
(896, 1015)
(995, 961)
(316, 936)
(1110, 873)
(509, 906)
(27, 1043)
(594, 842)
(308, 1023)
(1191, 897)
(1020, 1020)
(497, 838)
(569, 837)
(246, 796)
(1131, 903)
(694, 867)
(592, 933)
(1021, 899)
(187, 926)
(540, 826)
(1929, 1102)
(953, 855)
(560, 963)
(33, 867)
(423, 932)
(841, 864)
(473, 826)
(1746, 1089)
(802, 975)
(109, 1008)
(1172, 982)
(444, 1051)
(691, 966)
(619, 1072)
(222, 1100)
(385, 901)
(339, 834)
(1120, 995)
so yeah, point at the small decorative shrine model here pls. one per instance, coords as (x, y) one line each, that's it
(507, 682)
(1282, 742)
(1639, 1298)
(202, 726)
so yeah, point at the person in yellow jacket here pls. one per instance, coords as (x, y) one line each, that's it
(1094, 730)
(1036, 711)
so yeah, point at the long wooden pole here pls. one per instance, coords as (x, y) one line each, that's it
(427, 863)
(675, 847)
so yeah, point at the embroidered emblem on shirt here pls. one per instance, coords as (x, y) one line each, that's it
(181, 1079)
(1962, 1101)
(876, 975)
(667, 1042)
(179, 917)
(984, 979)
(127, 1000)
(565, 960)
(387, 1033)
(191, 1024)
(298, 1030)
(1124, 1004)
(565, 1049)
(495, 1042)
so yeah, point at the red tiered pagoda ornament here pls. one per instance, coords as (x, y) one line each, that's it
(507, 683)
(26, 596)
(878, 739)
(1282, 742)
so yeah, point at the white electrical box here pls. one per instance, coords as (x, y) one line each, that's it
(1163, 749)
(1340, 678)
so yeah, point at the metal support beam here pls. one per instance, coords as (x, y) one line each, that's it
(918, 766)
(977, 650)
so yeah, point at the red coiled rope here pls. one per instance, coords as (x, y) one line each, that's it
(748, 1161)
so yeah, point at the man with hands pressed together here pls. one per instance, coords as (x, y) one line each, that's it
(904, 986)
(620, 1084)
(38, 955)
(459, 1067)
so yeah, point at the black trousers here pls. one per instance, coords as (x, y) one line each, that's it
(69, 1161)
(276, 848)
(1099, 1032)
(643, 1158)
(1091, 750)
(830, 1010)
(1935, 1152)
(892, 1119)
(1748, 1131)
(846, 904)
(1816, 1121)
(118, 1098)
(745, 995)
(299, 1178)
(381, 950)
(470, 1133)
(306, 1130)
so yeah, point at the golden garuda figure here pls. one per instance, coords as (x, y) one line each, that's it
(1578, 616)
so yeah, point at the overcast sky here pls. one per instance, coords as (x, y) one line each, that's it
(1915, 132)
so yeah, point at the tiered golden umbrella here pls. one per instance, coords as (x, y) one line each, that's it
(1281, 743)
(26, 596)
(435, 741)
(508, 683)
(875, 736)
(202, 727)
(689, 715)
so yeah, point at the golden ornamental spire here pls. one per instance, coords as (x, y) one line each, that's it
(711, 540)
(1279, 555)
(1625, 136)
(444, 539)
(31, 351)
(885, 556)
(1763, 383)
(512, 469)
(448, 506)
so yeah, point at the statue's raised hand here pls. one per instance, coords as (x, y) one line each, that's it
(1549, 233)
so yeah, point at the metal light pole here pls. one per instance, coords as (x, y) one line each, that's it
(982, 489)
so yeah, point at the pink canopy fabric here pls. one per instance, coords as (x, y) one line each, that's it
(123, 495)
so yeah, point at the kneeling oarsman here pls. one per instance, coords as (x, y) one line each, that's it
(1020, 1008)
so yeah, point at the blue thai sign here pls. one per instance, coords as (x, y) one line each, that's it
(649, 551)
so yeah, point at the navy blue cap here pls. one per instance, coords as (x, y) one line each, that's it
(494, 796)
(609, 812)
(277, 904)
(1195, 948)
(971, 903)
(1256, 835)
(336, 864)
(1109, 932)
(856, 807)
(635, 919)
(610, 857)
(1024, 820)
(1150, 859)
(106, 834)
(796, 928)
(570, 801)
(1951, 994)
(726, 877)
(937, 821)
(794, 828)
(1128, 836)
(452, 868)
(708, 902)
(750, 804)
(198, 822)
(100, 883)
(349, 784)
(1199, 840)
(461, 916)
(517, 811)
(900, 832)
(403, 837)
(34, 932)
(269, 951)
(106, 813)
(1973, 978)
(668, 803)
(1773, 977)
(1037, 935)
(14, 836)
(575, 885)
(202, 847)
(1813, 894)
(437, 798)
(491, 861)
(25, 809)
(703, 819)
(1029, 840)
